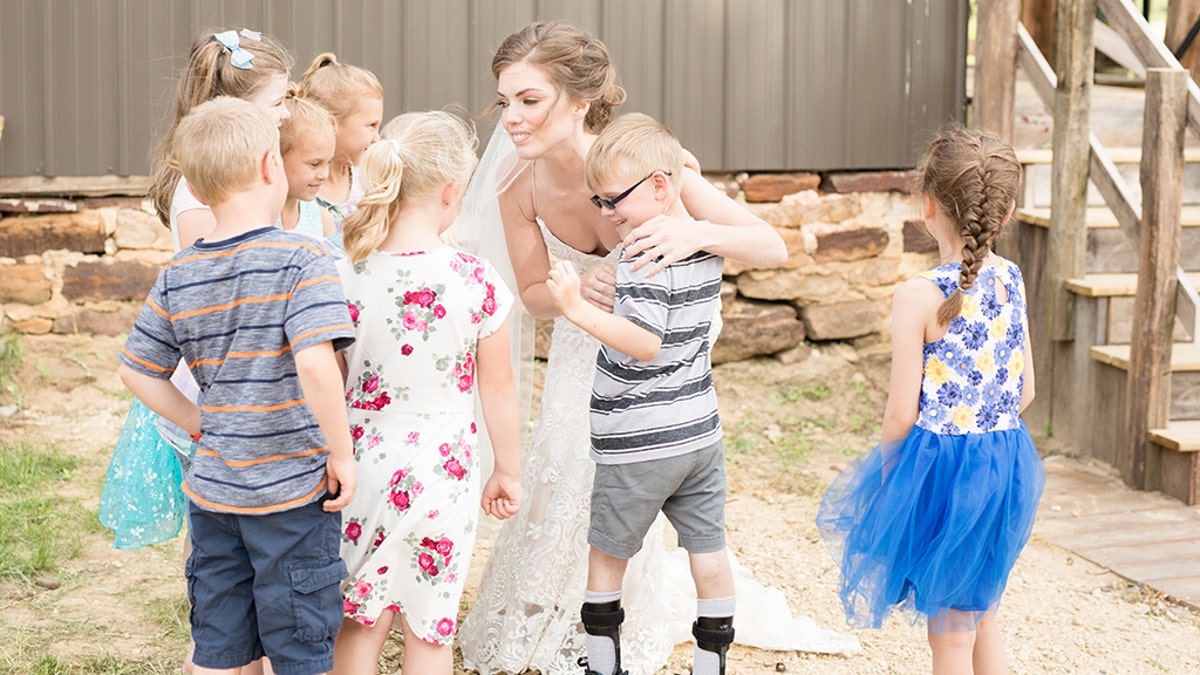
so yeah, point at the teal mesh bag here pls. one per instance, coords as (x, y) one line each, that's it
(142, 502)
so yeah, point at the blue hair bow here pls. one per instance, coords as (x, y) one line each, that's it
(238, 57)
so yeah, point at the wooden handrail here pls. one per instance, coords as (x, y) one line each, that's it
(1131, 25)
(1104, 174)
(1148, 382)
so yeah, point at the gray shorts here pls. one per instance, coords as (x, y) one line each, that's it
(689, 489)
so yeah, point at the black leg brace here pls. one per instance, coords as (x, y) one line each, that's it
(714, 634)
(604, 619)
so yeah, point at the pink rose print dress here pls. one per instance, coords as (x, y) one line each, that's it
(408, 535)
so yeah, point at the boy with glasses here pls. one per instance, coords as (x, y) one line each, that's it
(656, 435)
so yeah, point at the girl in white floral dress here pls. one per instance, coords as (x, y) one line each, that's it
(430, 323)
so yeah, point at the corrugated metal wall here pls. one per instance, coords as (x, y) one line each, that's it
(745, 84)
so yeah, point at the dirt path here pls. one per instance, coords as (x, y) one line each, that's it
(788, 429)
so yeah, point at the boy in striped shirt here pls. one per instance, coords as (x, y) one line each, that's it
(656, 436)
(257, 312)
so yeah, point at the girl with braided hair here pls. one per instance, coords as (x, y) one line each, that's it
(931, 521)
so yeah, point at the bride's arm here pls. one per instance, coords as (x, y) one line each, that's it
(526, 249)
(726, 229)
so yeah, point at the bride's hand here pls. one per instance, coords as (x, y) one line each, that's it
(599, 287)
(662, 240)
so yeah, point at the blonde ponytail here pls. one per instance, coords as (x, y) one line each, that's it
(420, 153)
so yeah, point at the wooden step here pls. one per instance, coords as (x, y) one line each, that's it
(1179, 436)
(1185, 375)
(1185, 356)
(1099, 217)
(1112, 285)
(1109, 249)
(1122, 155)
(1179, 465)
(1038, 179)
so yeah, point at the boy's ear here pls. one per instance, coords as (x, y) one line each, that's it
(271, 167)
(662, 183)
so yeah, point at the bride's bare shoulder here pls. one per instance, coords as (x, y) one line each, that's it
(515, 185)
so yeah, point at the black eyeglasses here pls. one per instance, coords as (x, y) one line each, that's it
(611, 204)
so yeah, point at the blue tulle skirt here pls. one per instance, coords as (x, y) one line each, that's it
(932, 524)
(142, 502)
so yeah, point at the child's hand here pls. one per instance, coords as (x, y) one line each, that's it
(564, 285)
(502, 496)
(342, 480)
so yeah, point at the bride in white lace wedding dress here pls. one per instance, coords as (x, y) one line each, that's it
(557, 89)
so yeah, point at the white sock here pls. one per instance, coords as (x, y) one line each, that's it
(601, 650)
(705, 662)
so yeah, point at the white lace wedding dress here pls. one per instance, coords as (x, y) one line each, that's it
(526, 616)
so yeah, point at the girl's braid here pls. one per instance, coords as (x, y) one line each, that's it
(974, 176)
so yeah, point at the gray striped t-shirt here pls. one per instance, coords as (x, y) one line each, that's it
(237, 310)
(665, 407)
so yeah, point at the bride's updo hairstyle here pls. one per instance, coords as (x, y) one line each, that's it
(419, 154)
(574, 61)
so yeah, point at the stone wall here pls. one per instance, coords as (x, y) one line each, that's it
(77, 266)
(85, 265)
(851, 238)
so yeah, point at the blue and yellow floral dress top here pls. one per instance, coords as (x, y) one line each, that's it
(935, 522)
(974, 375)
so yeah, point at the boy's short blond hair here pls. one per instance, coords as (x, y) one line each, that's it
(630, 147)
(218, 147)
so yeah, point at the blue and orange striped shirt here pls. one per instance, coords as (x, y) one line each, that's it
(236, 310)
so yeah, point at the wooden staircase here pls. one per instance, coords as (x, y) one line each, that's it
(1082, 384)
(1085, 259)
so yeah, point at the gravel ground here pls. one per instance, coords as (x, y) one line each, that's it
(788, 430)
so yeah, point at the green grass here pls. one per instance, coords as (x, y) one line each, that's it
(101, 664)
(739, 440)
(38, 527)
(11, 356)
(797, 395)
(171, 614)
(41, 528)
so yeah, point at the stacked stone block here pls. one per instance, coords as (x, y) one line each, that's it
(85, 265)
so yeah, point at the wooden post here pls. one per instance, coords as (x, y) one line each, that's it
(1038, 18)
(996, 66)
(1181, 15)
(1068, 193)
(1148, 392)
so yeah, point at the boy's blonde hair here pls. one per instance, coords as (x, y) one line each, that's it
(220, 145)
(305, 116)
(418, 155)
(337, 87)
(632, 146)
